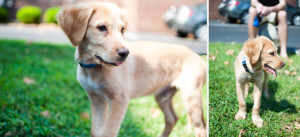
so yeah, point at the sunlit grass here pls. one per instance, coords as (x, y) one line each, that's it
(280, 113)
(52, 103)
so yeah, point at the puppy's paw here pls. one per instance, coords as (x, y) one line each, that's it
(200, 132)
(240, 115)
(257, 121)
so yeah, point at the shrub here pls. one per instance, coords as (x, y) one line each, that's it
(29, 14)
(3, 15)
(50, 14)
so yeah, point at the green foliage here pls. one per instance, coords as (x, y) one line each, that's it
(3, 15)
(29, 14)
(280, 112)
(56, 91)
(50, 15)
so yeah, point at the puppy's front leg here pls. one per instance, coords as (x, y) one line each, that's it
(265, 85)
(240, 90)
(100, 109)
(257, 100)
(107, 114)
(117, 110)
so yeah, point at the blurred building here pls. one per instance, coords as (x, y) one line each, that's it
(143, 15)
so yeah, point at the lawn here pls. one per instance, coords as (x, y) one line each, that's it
(280, 112)
(40, 96)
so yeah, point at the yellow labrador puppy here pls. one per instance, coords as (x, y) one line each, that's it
(258, 57)
(113, 71)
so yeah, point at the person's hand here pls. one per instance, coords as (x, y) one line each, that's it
(258, 7)
(265, 11)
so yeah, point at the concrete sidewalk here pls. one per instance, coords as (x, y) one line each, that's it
(53, 34)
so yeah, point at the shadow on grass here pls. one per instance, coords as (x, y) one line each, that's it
(272, 104)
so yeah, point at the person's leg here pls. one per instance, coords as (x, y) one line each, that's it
(282, 33)
(252, 30)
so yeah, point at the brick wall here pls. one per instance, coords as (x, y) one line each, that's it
(213, 10)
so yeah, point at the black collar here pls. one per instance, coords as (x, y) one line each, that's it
(88, 65)
(247, 69)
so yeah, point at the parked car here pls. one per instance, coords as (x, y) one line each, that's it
(293, 15)
(188, 19)
(235, 10)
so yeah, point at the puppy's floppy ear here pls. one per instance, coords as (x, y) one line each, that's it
(253, 50)
(74, 21)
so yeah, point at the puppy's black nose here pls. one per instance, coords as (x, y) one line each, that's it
(123, 53)
(283, 64)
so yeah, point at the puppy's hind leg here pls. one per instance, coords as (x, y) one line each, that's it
(164, 100)
(192, 100)
(265, 85)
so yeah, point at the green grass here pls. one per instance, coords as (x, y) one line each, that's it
(57, 91)
(280, 112)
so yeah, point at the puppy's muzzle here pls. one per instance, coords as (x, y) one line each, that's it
(123, 53)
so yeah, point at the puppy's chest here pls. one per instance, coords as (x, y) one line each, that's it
(89, 83)
(245, 77)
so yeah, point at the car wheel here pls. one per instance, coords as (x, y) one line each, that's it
(245, 17)
(181, 34)
(296, 20)
(201, 32)
(232, 20)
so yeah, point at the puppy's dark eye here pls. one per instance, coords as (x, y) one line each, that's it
(272, 53)
(102, 28)
(122, 30)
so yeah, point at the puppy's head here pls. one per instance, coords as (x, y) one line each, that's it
(97, 29)
(263, 52)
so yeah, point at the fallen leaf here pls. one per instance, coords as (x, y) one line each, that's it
(9, 133)
(289, 128)
(154, 112)
(212, 56)
(28, 80)
(46, 113)
(294, 73)
(28, 43)
(286, 72)
(229, 52)
(226, 62)
(298, 78)
(297, 125)
(27, 50)
(85, 116)
(243, 131)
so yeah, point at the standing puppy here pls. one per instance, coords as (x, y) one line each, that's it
(258, 57)
(113, 71)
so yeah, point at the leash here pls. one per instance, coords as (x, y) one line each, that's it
(247, 69)
(256, 23)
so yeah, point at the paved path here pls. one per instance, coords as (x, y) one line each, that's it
(53, 34)
(223, 32)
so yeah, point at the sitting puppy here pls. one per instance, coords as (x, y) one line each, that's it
(113, 71)
(258, 57)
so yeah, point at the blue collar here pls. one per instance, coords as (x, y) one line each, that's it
(88, 65)
(247, 69)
